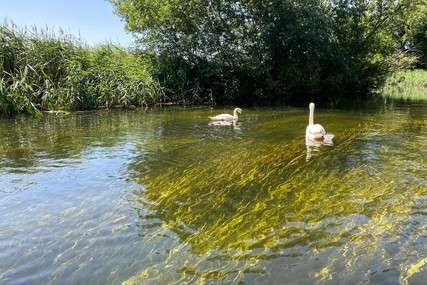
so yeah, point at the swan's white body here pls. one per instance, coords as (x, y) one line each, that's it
(316, 132)
(227, 117)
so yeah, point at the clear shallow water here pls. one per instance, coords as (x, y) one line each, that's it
(161, 197)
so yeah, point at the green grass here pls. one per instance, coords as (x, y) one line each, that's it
(44, 71)
(407, 85)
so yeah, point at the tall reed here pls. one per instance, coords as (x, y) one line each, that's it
(407, 85)
(43, 71)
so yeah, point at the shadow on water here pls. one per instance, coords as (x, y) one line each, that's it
(221, 203)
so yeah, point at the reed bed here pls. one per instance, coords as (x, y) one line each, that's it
(407, 85)
(44, 71)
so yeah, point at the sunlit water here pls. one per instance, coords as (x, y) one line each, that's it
(162, 197)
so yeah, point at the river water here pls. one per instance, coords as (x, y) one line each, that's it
(160, 196)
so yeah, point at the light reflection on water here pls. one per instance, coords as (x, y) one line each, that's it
(164, 197)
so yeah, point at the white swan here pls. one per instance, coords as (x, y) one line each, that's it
(227, 117)
(316, 132)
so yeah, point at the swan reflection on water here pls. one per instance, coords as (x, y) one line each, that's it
(315, 145)
(234, 123)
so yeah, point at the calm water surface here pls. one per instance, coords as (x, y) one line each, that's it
(162, 197)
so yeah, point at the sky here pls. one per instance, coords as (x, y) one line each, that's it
(93, 20)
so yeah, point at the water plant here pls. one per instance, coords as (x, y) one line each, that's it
(43, 71)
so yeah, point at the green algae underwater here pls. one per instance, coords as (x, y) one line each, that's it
(164, 197)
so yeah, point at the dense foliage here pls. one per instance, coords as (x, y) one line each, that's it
(218, 52)
(263, 52)
(42, 71)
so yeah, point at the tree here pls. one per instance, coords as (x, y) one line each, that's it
(265, 52)
(410, 35)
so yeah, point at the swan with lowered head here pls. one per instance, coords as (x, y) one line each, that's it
(227, 117)
(316, 132)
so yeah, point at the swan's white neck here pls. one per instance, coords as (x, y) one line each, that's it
(236, 111)
(311, 116)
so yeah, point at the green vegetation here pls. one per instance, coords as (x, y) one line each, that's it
(43, 71)
(407, 85)
(277, 51)
(219, 52)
